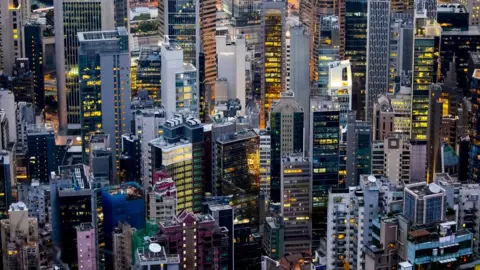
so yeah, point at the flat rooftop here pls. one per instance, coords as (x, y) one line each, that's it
(237, 136)
(102, 35)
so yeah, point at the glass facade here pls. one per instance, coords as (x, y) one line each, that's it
(356, 50)
(246, 12)
(182, 27)
(34, 52)
(474, 154)
(325, 164)
(425, 68)
(148, 72)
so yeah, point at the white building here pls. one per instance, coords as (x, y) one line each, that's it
(8, 105)
(162, 201)
(99, 18)
(38, 201)
(179, 81)
(231, 65)
(340, 87)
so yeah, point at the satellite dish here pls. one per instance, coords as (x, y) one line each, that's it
(434, 188)
(372, 179)
(155, 248)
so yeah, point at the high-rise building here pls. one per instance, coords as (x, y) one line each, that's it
(400, 53)
(104, 70)
(180, 148)
(122, 14)
(377, 53)
(197, 239)
(12, 16)
(40, 145)
(19, 239)
(324, 149)
(424, 203)
(382, 252)
(100, 157)
(287, 136)
(22, 81)
(34, 53)
(391, 116)
(162, 199)
(121, 203)
(397, 151)
(130, 159)
(425, 71)
(25, 117)
(265, 159)
(273, 237)
(328, 51)
(355, 28)
(186, 31)
(6, 181)
(8, 105)
(207, 46)
(71, 19)
(76, 198)
(237, 173)
(433, 137)
(273, 57)
(180, 77)
(148, 72)
(474, 160)
(340, 88)
(296, 176)
(86, 246)
(122, 246)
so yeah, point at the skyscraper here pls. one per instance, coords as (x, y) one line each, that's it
(324, 149)
(40, 145)
(287, 136)
(104, 72)
(474, 160)
(70, 19)
(148, 72)
(12, 15)
(425, 71)
(273, 57)
(6, 181)
(131, 159)
(208, 24)
(433, 135)
(34, 52)
(378, 24)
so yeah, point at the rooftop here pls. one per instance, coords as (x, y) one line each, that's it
(451, 8)
(87, 226)
(20, 206)
(473, 30)
(102, 35)
(423, 189)
(237, 136)
(130, 190)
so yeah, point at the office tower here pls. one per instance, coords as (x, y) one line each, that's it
(424, 203)
(382, 253)
(22, 81)
(231, 66)
(180, 148)
(296, 176)
(122, 14)
(40, 145)
(104, 69)
(76, 198)
(180, 77)
(287, 136)
(328, 51)
(273, 57)
(12, 15)
(122, 246)
(340, 88)
(100, 157)
(185, 32)
(358, 150)
(222, 213)
(8, 105)
(34, 53)
(273, 237)
(377, 52)
(400, 53)
(207, 46)
(148, 72)
(6, 181)
(205, 244)
(355, 25)
(70, 19)
(86, 246)
(237, 173)
(265, 159)
(162, 200)
(344, 248)
(147, 126)
(121, 203)
(391, 116)
(458, 43)
(19, 239)
(131, 159)
(425, 68)
(324, 149)
(474, 161)
(433, 128)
